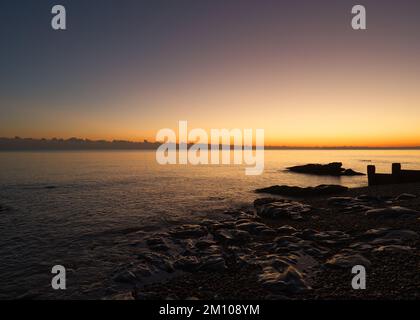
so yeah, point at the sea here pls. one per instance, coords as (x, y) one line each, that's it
(82, 209)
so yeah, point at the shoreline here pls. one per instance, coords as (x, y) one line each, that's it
(246, 256)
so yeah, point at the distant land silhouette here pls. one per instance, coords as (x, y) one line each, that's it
(22, 144)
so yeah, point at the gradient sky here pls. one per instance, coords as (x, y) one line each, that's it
(127, 68)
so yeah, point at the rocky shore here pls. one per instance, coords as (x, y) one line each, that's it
(287, 249)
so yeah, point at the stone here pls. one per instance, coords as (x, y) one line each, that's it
(393, 248)
(340, 201)
(286, 229)
(283, 209)
(347, 259)
(203, 244)
(189, 264)
(392, 212)
(404, 235)
(293, 191)
(122, 296)
(251, 227)
(214, 263)
(405, 196)
(330, 169)
(290, 280)
(189, 231)
(125, 277)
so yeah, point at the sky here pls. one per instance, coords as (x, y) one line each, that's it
(125, 69)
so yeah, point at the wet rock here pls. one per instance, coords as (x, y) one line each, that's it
(405, 196)
(157, 243)
(232, 236)
(122, 296)
(214, 263)
(361, 246)
(347, 259)
(286, 240)
(393, 248)
(262, 201)
(340, 201)
(188, 264)
(283, 209)
(286, 229)
(290, 280)
(267, 232)
(156, 260)
(189, 231)
(404, 235)
(203, 244)
(335, 235)
(252, 227)
(392, 212)
(303, 192)
(125, 277)
(331, 169)
(141, 271)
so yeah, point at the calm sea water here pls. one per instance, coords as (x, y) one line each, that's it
(76, 208)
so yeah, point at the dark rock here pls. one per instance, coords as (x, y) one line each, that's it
(286, 229)
(290, 280)
(232, 236)
(157, 243)
(189, 231)
(392, 212)
(214, 263)
(347, 259)
(393, 248)
(203, 244)
(331, 169)
(340, 201)
(251, 227)
(261, 201)
(125, 277)
(303, 192)
(404, 235)
(283, 209)
(188, 264)
(405, 196)
(142, 270)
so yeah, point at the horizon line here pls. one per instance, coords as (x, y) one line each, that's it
(145, 142)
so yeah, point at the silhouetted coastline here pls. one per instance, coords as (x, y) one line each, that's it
(29, 144)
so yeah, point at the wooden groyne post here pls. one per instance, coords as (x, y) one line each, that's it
(397, 175)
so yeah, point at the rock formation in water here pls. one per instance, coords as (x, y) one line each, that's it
(331, 169)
